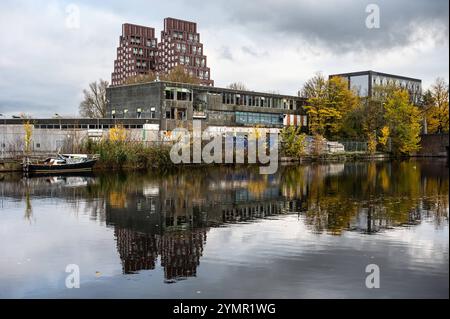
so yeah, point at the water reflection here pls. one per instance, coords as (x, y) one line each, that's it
(165, 219)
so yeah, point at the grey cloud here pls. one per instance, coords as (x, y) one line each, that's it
(340, 25)
(225, 53)
(251, 51)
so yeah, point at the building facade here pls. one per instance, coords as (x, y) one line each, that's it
(180, 45)
(177, 104)
(136, 53)
(365, 83)
(140, 53)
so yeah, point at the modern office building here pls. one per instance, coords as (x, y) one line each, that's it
(136, 53)
(180, 44)
(139, 51)
(177, 104)
(365, 83)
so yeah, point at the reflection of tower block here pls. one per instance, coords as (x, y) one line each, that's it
(137, 250)
(181, 252)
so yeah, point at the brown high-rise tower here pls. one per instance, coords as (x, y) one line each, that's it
(139, 52)
(136, 53)
(180, 44)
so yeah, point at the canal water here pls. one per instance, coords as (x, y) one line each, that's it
(308, 231)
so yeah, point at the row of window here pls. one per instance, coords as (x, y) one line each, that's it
(180, 35)
(137, 40)
(170, 94)
(200, 62)
(138, 113)
(250, 100)
(258, 118)
(82, 126)
(182, 47)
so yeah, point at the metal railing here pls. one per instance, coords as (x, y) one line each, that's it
(354, 146)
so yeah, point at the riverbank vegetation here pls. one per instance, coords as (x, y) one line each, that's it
(118, 151)
(128, 154)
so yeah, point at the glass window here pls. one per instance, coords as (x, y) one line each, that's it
(169, 95)
(360, 84)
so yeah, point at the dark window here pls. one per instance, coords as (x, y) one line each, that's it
(169, 95)
(170, 114)
(183, 96)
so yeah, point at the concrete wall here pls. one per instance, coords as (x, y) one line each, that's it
(132, 97)
(50, 140)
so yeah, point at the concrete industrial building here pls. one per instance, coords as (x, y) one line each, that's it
(177, 104)
(149, 111)
(140, 53)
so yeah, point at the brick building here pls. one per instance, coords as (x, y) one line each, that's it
(136, 53)
(180, 44)
(139, 51)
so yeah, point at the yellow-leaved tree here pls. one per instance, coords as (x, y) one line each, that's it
(404, 122)
(436, 104)
(117, 134)
(28, 128)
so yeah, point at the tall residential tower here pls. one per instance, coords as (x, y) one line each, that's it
(136, 53)
(139, 51)
(180, 44)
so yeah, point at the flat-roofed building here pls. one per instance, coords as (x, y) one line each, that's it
(365, 83)
(219, 109)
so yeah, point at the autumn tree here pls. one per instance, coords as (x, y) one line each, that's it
(94, 102)
(329, 102)
(436, 107)
(179, 74)
(315, 90)
(141, 78)
(343, 101)
(293, 141)
(404, 122)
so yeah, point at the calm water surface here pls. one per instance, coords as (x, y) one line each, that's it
(306, 232)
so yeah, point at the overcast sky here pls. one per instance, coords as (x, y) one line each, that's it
(269, 45)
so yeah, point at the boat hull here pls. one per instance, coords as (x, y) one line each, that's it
(57, 169)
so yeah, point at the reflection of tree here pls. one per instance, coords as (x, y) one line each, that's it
(28, 208)
(373, 196)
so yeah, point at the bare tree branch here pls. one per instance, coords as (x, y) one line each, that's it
(94, 102)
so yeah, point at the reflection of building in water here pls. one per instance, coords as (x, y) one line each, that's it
(138, 251)
(143, 235)
(170, 220)
(181, 252)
